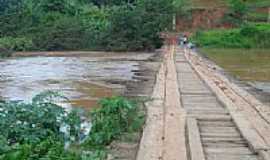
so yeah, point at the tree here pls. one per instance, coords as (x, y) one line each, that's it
(237, 11)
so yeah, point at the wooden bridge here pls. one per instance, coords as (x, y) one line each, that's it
(198, 114)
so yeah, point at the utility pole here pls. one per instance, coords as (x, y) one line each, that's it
(174, 22)
(269, 15)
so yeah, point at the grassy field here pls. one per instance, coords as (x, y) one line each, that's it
(247, 65)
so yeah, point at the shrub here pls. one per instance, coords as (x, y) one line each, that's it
(237, 12)
(116, 116)
(5, 52)
(16, 44)
(248, 36)
(248, 30)
(32, 122)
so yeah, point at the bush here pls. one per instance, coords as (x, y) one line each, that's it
(16, 44)
(58, 33)
(33, 131)
(248, 30)
(237, 12)
(248, 36)
(116, 116)
(5, 52)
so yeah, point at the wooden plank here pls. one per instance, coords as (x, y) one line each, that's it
(231, 157)
(151, 142)
(223, 139)
(213, 117)
(195, 145)
(235, 150)
(264, 155)
(175, 116)
(204, 111)
(216, 123)
(218, 130)
(249, 128)
(215, 134)
(224, 144)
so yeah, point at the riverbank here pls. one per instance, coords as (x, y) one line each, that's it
(81, 76)
(85, 78)
(249, 68)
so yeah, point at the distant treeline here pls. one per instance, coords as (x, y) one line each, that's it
(119, 25)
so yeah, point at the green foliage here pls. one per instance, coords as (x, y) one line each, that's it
(33, 122)
(5, 53)
(237, 12)
(18, 44)
(248, 36)
(116, 116)
(257, 17)
(32, 131)
(49, 149)
(138, 27)
(182, 7)
(86, 24)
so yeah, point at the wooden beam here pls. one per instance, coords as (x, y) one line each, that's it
(194, 140)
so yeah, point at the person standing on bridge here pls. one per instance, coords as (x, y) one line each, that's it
(185, 39)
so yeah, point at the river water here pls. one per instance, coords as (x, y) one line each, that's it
(81, 79)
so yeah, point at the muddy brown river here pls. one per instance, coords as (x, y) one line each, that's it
(81, 79)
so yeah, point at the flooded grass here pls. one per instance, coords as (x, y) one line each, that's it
(244, 64)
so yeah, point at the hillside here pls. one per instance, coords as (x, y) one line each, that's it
(209, 14)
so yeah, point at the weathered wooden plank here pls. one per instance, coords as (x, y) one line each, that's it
(235, 150)
(195, 145)
(224, 144)
(175, 116)
(209, 111)
(215, 134)
(213, 117)
(223, 139)
(218, 129)
(151, 141)
(231, 157)
(216, 123)
(202, 105)
(264, 155)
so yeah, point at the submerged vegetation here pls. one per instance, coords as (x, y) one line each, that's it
(83, 24)
(42, 129)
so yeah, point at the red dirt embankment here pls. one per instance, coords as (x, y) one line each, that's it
(202, 18)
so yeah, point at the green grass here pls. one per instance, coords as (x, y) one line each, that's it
(248, 65)
(249, 36)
